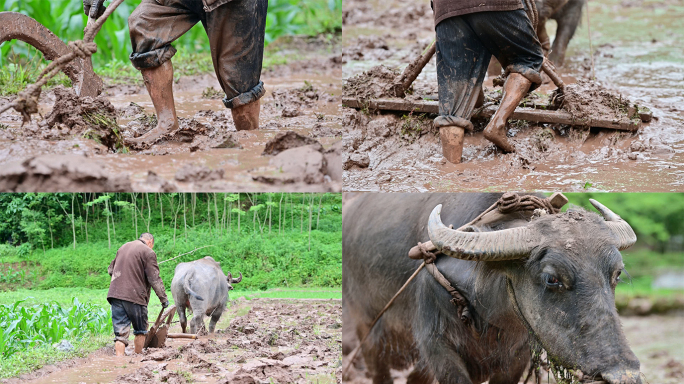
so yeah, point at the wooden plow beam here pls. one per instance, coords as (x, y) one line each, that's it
(521, 113)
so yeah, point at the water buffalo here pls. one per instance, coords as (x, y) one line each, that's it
(201, 286)
(549, 282)
(567, 14)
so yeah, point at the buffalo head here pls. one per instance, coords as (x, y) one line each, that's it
(231, 281)
(561, 271)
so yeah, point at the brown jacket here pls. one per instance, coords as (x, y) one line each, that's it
(134, 270)
(445, 9)
(210, 5)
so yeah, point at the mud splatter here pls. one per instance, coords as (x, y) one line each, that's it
(287, 140)
(192, 173)
(591, 99)
(60, 173)
(93, 118)
(371, 84)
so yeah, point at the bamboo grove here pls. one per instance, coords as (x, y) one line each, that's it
(276, 239)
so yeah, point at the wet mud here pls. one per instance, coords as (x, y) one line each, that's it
(402, 152)
(302, 96)
(656, 341)
(262, 340)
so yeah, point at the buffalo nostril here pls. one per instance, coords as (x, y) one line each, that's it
(622, 377)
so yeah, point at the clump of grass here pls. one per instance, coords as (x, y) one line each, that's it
(212, 93)
(413, 126)
(105, 131)
(307, 87)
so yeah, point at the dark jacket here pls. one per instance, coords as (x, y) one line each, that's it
(210, 5)
(445, 9)
(134, 270)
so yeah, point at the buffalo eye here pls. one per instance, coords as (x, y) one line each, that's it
(552, 281)
(616, 278)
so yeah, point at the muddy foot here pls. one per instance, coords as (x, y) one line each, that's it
(150, 138)
(496, 133)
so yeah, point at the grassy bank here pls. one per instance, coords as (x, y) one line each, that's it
(264, 261)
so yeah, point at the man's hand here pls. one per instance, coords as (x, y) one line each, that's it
(165, 304)
(87, 5)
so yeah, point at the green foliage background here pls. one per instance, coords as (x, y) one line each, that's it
(657, 218)
(38, 250)
(67, 20)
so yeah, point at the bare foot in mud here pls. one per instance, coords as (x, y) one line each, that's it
(155, 134)
(496, 133)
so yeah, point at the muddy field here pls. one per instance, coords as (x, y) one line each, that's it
(635, 55)
(80, 145)
(655, 339)
(257, 341)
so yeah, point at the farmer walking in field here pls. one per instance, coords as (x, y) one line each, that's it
(469, 32)
(134, 270)
(236, 30)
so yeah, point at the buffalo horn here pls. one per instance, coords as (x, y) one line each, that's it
(234, 281)
(620, 228)
(507, 244)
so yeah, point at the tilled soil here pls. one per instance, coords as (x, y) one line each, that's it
(655, 339)
(302, 96)
(257, 341)
(394, 152)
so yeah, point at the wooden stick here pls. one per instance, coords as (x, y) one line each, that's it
(410, 73)
(181, 336)
(183, 254)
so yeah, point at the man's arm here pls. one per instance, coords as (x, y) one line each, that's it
(153, 278)
(110, 269)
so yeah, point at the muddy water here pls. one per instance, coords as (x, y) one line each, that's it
(656, 340)
(318, 118)
(635, 53)
(267, 340)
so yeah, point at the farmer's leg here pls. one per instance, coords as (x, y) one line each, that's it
(512, 39)
(461, 67)
(153, 27)
(236, 35)
(138, 315)
(122, 326)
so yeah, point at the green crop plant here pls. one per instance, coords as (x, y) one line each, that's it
(25, 327)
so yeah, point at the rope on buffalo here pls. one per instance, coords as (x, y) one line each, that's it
(26, 101)
(358, 347)
(186, 253)
(512, 202)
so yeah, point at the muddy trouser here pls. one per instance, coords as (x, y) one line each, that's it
(125, 313)
(465, 45)
(236, 38)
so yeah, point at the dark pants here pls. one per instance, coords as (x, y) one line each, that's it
(125, 313)
(465, 45)
(236, 37)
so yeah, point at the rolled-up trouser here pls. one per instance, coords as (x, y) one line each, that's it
(125, 313)
(236, 38)
(465, 45)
